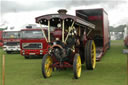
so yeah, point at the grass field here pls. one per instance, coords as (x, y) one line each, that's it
(111, 70)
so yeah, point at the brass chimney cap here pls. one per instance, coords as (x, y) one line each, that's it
(62, 11)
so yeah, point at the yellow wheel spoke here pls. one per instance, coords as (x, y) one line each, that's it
(78, 66)
(48, 69)
(93, 54)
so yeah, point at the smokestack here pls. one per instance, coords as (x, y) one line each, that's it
(62, 11)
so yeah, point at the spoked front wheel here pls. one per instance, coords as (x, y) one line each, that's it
(46, 66)
(77, 66)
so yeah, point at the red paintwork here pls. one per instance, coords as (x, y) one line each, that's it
(62, 65)
(85, 38)
(11, 39)
(29, 29)
(65, 64)
(35, 51)
(126, 41)
(95, 17)
(1, 39)
(57, 33)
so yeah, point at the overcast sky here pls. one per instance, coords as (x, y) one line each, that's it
(20, 12)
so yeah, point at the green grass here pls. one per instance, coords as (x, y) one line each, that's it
(111, 70)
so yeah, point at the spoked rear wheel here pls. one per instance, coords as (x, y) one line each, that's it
(77, 66)
(46, 66)
(90, 55)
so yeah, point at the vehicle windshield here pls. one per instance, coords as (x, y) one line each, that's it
(32, 34)
(11, 35)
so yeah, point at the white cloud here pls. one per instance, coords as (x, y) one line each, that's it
(0, 13)
(119, 15)
(19, 17)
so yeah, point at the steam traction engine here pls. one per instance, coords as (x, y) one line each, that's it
(69, 46)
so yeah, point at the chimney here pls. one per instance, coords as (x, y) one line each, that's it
(62, 11)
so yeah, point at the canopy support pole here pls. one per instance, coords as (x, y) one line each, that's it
(63, 32)
(70, 29)
(48, 30)
(43, 33)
